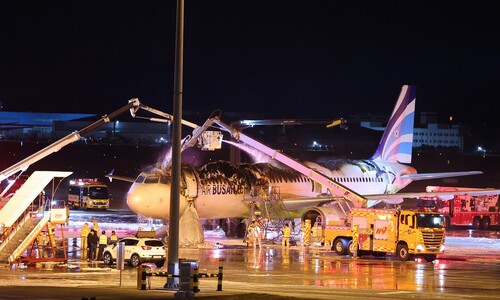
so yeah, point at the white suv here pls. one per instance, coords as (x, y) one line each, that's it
(137, 251)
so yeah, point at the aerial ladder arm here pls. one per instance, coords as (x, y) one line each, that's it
(334, 187)
(70, 138)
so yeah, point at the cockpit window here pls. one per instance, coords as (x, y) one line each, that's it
(164, 179)
(140, 179)
(152, 179)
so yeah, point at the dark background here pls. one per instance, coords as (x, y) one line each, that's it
(285, 59)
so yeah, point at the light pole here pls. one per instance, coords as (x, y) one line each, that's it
(173, 236)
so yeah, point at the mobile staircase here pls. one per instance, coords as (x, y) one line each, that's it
(24, 218)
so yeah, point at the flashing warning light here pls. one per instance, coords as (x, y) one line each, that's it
(83, 181)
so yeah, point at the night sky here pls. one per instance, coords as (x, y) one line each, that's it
(284, 59)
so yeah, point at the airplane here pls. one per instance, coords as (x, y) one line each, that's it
(220, 190)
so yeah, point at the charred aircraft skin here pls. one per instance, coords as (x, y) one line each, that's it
(224, 190)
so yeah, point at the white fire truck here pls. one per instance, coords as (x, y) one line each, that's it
(88, 193)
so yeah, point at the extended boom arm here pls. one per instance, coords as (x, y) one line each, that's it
(70, 138)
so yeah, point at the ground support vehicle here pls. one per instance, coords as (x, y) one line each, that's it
(88, 194)
(137, 251)
(381, 231)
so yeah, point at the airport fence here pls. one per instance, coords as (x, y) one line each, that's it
(188, 277)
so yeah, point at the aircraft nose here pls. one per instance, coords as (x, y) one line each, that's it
(139, 199)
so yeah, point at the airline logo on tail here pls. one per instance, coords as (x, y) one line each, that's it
(397, 141)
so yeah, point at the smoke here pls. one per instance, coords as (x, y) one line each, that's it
(255, 155)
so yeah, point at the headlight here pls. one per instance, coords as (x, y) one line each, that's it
(420, 248)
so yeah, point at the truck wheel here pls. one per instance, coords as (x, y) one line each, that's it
(447, 222)
(402, 252)
(485, 223)
(340, 246)
(350, 248)
(476, 223)
(429, 257)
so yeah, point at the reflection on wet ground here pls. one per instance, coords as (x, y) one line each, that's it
(295, 270)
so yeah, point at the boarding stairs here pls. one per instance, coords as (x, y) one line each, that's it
(22, 219)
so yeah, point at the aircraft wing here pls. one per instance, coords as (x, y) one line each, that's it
(302, 203)
(446, 195)
(426, 176)
(397, 198)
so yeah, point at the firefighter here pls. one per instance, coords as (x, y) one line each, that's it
(250, 239)
(84, 232)
(285, 241)
(95, 226)
(42, 241)
(257, 235)
(103, 242)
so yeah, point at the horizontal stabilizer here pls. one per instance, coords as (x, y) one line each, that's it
(426, 176)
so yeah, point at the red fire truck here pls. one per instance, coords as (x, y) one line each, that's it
(478, 212)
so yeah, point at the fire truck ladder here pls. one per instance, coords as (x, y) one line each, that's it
(334, 187)
(22, 220)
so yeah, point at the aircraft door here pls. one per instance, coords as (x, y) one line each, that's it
(190, 184)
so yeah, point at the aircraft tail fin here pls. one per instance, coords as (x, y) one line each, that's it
(397, 140)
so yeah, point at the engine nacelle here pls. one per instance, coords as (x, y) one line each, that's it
(332, 215)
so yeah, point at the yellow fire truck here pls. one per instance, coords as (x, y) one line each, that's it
(87, 193)
(380, 231)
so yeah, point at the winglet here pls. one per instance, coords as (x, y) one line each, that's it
(110, 175)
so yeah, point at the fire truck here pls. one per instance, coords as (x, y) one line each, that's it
(88, 193)
(480, 212)
(405, 233)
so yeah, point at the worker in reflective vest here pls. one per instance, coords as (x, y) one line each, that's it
(285, 241)
(103, 242)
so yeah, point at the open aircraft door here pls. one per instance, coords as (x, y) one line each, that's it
(189, 183)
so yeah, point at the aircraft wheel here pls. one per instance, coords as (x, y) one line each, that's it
(402, 252)
(224, 226)
(340, 246)
(241, 230)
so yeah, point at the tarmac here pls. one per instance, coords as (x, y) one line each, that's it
(110, 292)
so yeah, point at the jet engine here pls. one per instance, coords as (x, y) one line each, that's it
(331, 215)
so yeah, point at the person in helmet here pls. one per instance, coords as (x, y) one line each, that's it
(84, 232)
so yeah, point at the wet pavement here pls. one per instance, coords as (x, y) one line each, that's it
(469, 269)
